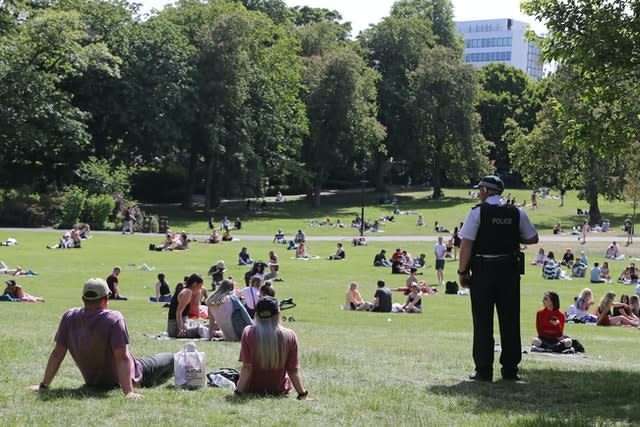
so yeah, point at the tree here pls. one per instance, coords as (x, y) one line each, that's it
(395, 47)
(597, 39)
(443, 95)
(631, 186)
(43, 133)
(565, 132)
(343, 130)
(247, 119)
(506, 93)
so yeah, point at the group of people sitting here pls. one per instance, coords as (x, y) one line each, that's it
(552, 268)
(268, 351)
(401, 261)
(225, 224)
(73, 238)
(172, 242)
(609, 312)
(414, 290)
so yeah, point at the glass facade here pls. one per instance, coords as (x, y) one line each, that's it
(490, 42)
(487, 57)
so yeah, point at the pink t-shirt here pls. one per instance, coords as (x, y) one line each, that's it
(269, 381)
(91, 339)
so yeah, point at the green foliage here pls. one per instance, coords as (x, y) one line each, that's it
(98, 176)
(72, 206)
(96, 210)
(507, 94)
(21, 207)
(343, 130)
(443, 95)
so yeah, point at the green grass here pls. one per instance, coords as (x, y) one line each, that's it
(360, 367)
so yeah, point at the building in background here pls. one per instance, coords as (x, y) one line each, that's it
(500, 40)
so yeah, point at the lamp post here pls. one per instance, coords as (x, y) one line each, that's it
(363, 182)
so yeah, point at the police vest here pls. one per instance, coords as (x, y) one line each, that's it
(499, 231)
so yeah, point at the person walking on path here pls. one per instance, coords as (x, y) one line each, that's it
(440, 250)
(490, 264)
(628, 229)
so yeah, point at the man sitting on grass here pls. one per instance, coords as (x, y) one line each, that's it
(97, 339)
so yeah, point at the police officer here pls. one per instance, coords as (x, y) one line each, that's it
(491, 264)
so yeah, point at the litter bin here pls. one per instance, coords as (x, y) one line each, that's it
(163, 224)
(146, 224)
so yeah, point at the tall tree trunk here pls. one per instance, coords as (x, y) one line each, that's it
(437, 186)
(209, 190)
(591, 196)
(382, 168)
(317, 189)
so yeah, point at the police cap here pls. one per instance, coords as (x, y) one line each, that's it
(492, 182)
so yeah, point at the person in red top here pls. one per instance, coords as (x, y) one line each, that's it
(550, 327)
(269, 355)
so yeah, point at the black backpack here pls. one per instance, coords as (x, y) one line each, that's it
(451, 288)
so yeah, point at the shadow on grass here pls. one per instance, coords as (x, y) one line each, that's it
(557, 397)
(80, 393)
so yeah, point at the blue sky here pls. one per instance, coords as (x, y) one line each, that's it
(361, 13)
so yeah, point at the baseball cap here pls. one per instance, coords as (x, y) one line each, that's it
(267, 307)
(95, 289)
(492, 182)
(11, 282)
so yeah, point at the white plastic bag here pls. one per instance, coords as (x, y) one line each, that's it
(189, 367)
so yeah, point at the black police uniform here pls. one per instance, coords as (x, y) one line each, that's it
(495, 281)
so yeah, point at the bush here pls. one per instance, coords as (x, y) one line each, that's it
(22, 208)
(97, 209)
(73, 201)
(99, 177)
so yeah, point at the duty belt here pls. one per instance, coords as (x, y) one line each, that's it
(493, 256)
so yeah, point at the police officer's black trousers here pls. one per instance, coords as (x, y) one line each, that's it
(495, 282)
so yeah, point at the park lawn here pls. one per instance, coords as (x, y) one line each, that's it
(361, 368)
(296, 213)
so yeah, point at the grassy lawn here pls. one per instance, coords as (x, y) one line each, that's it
(362, 368)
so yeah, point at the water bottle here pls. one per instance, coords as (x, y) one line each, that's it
(223, 382)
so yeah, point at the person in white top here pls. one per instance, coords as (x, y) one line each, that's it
(440, 250)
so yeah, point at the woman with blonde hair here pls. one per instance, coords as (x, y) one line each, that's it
(353, 298)
(220, 307)
(269, 355)
(604, 312)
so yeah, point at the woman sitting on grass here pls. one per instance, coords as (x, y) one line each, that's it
(550, 327)
(540, 257)
(624, 309)
(413, 304)
(220, 310)
(353, 298)
(269, 355)
(583, 306)
(605, 318)
(163, 291)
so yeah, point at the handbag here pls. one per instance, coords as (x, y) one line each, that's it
(189, 367)
(239, 316)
